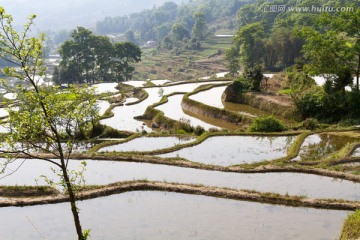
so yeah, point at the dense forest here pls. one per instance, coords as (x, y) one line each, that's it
(158, 22)
(304, 39)
(68, 14)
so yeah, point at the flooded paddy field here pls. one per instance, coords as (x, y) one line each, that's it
(181, 216)
(233, 150)
(123, 118)
(107, 172)
(212, 97)
(356, 153)
(157, 215)
(322, 145)
(147, 144)
(173, 110)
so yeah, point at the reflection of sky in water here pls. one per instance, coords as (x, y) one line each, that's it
(103, 106)
(157, 215)
(103, 172)
(105, 87)
(356, 152)
(172, 109)
(124, 115)
(232, 150)
(318, 146)
(147, 144)
(211, 97)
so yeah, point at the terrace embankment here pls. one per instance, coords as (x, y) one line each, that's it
(281, 105)
(199, 108)
(245, 195)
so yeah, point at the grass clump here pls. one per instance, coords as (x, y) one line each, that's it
(351, 228)
(267, 124)
(310, 124)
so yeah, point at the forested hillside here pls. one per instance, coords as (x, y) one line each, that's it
(270, 37)
(156, 23)
(303, 39)
(68, 14)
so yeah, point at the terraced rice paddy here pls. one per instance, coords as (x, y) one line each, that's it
(216, 161)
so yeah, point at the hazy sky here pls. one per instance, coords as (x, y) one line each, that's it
(67, 14)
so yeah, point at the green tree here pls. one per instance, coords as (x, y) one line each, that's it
(88, 58)
(248, 14)
(78, 53)
(254, 76)
(179, 32)
(336, 46)
(130, 36)
(232, 56)
(124, 54)
(199, 29)
(282, 48)
(249, 40)
(45, 116)
(56, 76)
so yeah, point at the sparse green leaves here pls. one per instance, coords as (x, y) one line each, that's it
(42, 118)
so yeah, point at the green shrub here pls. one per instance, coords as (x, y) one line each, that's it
(199, 130)
(241, 85)
(267, 124)
(298, 80)
(310, 123)
(181, 131)
(310, 104)
(213, 129)
(109, 132)
(349, 122)
(254, 76)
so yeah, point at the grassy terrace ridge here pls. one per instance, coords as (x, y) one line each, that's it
(29, 191)
(351, 228)
(109, 114)
(92, 192)
(325, 168)
(158, 116)
(103, 144)
(143, 97)
(177, 83)
(210, 111)
(198, 140)
(292, 152)
(151, 113)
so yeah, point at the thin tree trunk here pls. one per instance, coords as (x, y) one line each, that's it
(357, 75)
(72, 198)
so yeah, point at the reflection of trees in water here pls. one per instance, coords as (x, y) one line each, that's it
(328, 144)
(277, 146)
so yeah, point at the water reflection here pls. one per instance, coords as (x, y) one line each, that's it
(212, 97)
(101, 172)
(356, 153)
(105, 87)
(232, 150)
(147, 144)
(156, 215)
(173, 110)
(103, 106)
(124, 116)
(318, 146)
